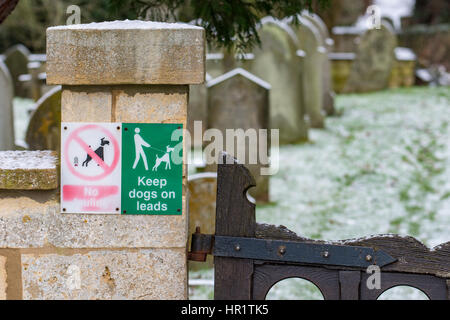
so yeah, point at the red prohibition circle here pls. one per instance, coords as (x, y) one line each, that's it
(74, 137)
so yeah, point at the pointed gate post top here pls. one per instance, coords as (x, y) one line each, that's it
(126, 52)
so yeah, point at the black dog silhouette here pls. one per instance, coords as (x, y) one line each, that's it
(98, 151)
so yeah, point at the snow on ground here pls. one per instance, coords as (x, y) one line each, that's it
(382, 166)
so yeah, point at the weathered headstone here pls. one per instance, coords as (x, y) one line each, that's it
(341, 65)
(239, 100)
(402, 74)
(309, 40)
(33, 81)
(6, 109)
(16, 59)
(277, 62)
(328, 44)
(44, 128)
(202, 209)
(374, 60)
(346, 38)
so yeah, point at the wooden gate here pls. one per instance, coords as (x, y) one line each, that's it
(249, 258)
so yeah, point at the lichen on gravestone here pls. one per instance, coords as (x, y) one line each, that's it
(28, 170)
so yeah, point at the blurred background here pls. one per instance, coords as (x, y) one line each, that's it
(358, 88)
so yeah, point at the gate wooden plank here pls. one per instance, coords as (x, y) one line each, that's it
(235, 216)
(349, 284)
(412, 255)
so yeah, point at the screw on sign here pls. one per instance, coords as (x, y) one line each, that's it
(90, 167)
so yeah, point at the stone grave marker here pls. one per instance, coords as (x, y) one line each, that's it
(309, 40)
(239, 100)
(328, 44)
(44, 128)
(6, 109)
(341, 65)
(277, 61)
(402, 74)
(374, 60)
(16, 59)
(34, 81)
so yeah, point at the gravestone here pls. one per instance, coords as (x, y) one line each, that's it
(374, 60)
(16, 59)
(6, 109)
(402, 74)
(197, 111)
(309, 40)
(239, 100)
(34, 81)
(44, 128)
(346, 38)
(328, 44)
(277, 62)
(202, 209)
(341, 65)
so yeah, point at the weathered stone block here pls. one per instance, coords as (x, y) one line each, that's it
(84, 104)
(28, 223)
(151, 104)
(125, 52)
(3, 283)
(28, 170)
(131, 274)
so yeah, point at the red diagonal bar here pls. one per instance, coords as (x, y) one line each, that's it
(90, 152)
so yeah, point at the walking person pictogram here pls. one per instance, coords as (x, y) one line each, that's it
(138, 144)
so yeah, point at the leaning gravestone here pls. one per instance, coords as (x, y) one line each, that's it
(239, 100)
(6, 109)
(44, 128)
(202, 209)
(309, 40)
(277, 62)
(16, 59)
(327, 43)
(374, 61)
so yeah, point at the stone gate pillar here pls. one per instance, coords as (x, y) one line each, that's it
(129, 71)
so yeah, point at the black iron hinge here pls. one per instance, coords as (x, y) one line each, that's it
(286, 251)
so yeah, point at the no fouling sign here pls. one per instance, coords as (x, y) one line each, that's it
(122, 168)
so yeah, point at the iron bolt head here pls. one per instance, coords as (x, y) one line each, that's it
(326, 254)
(237, 247)
(282, 249)
(368, 257)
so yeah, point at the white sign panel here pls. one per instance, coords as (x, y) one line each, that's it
(91, 167)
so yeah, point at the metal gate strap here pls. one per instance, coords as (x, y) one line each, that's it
(291, 251)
